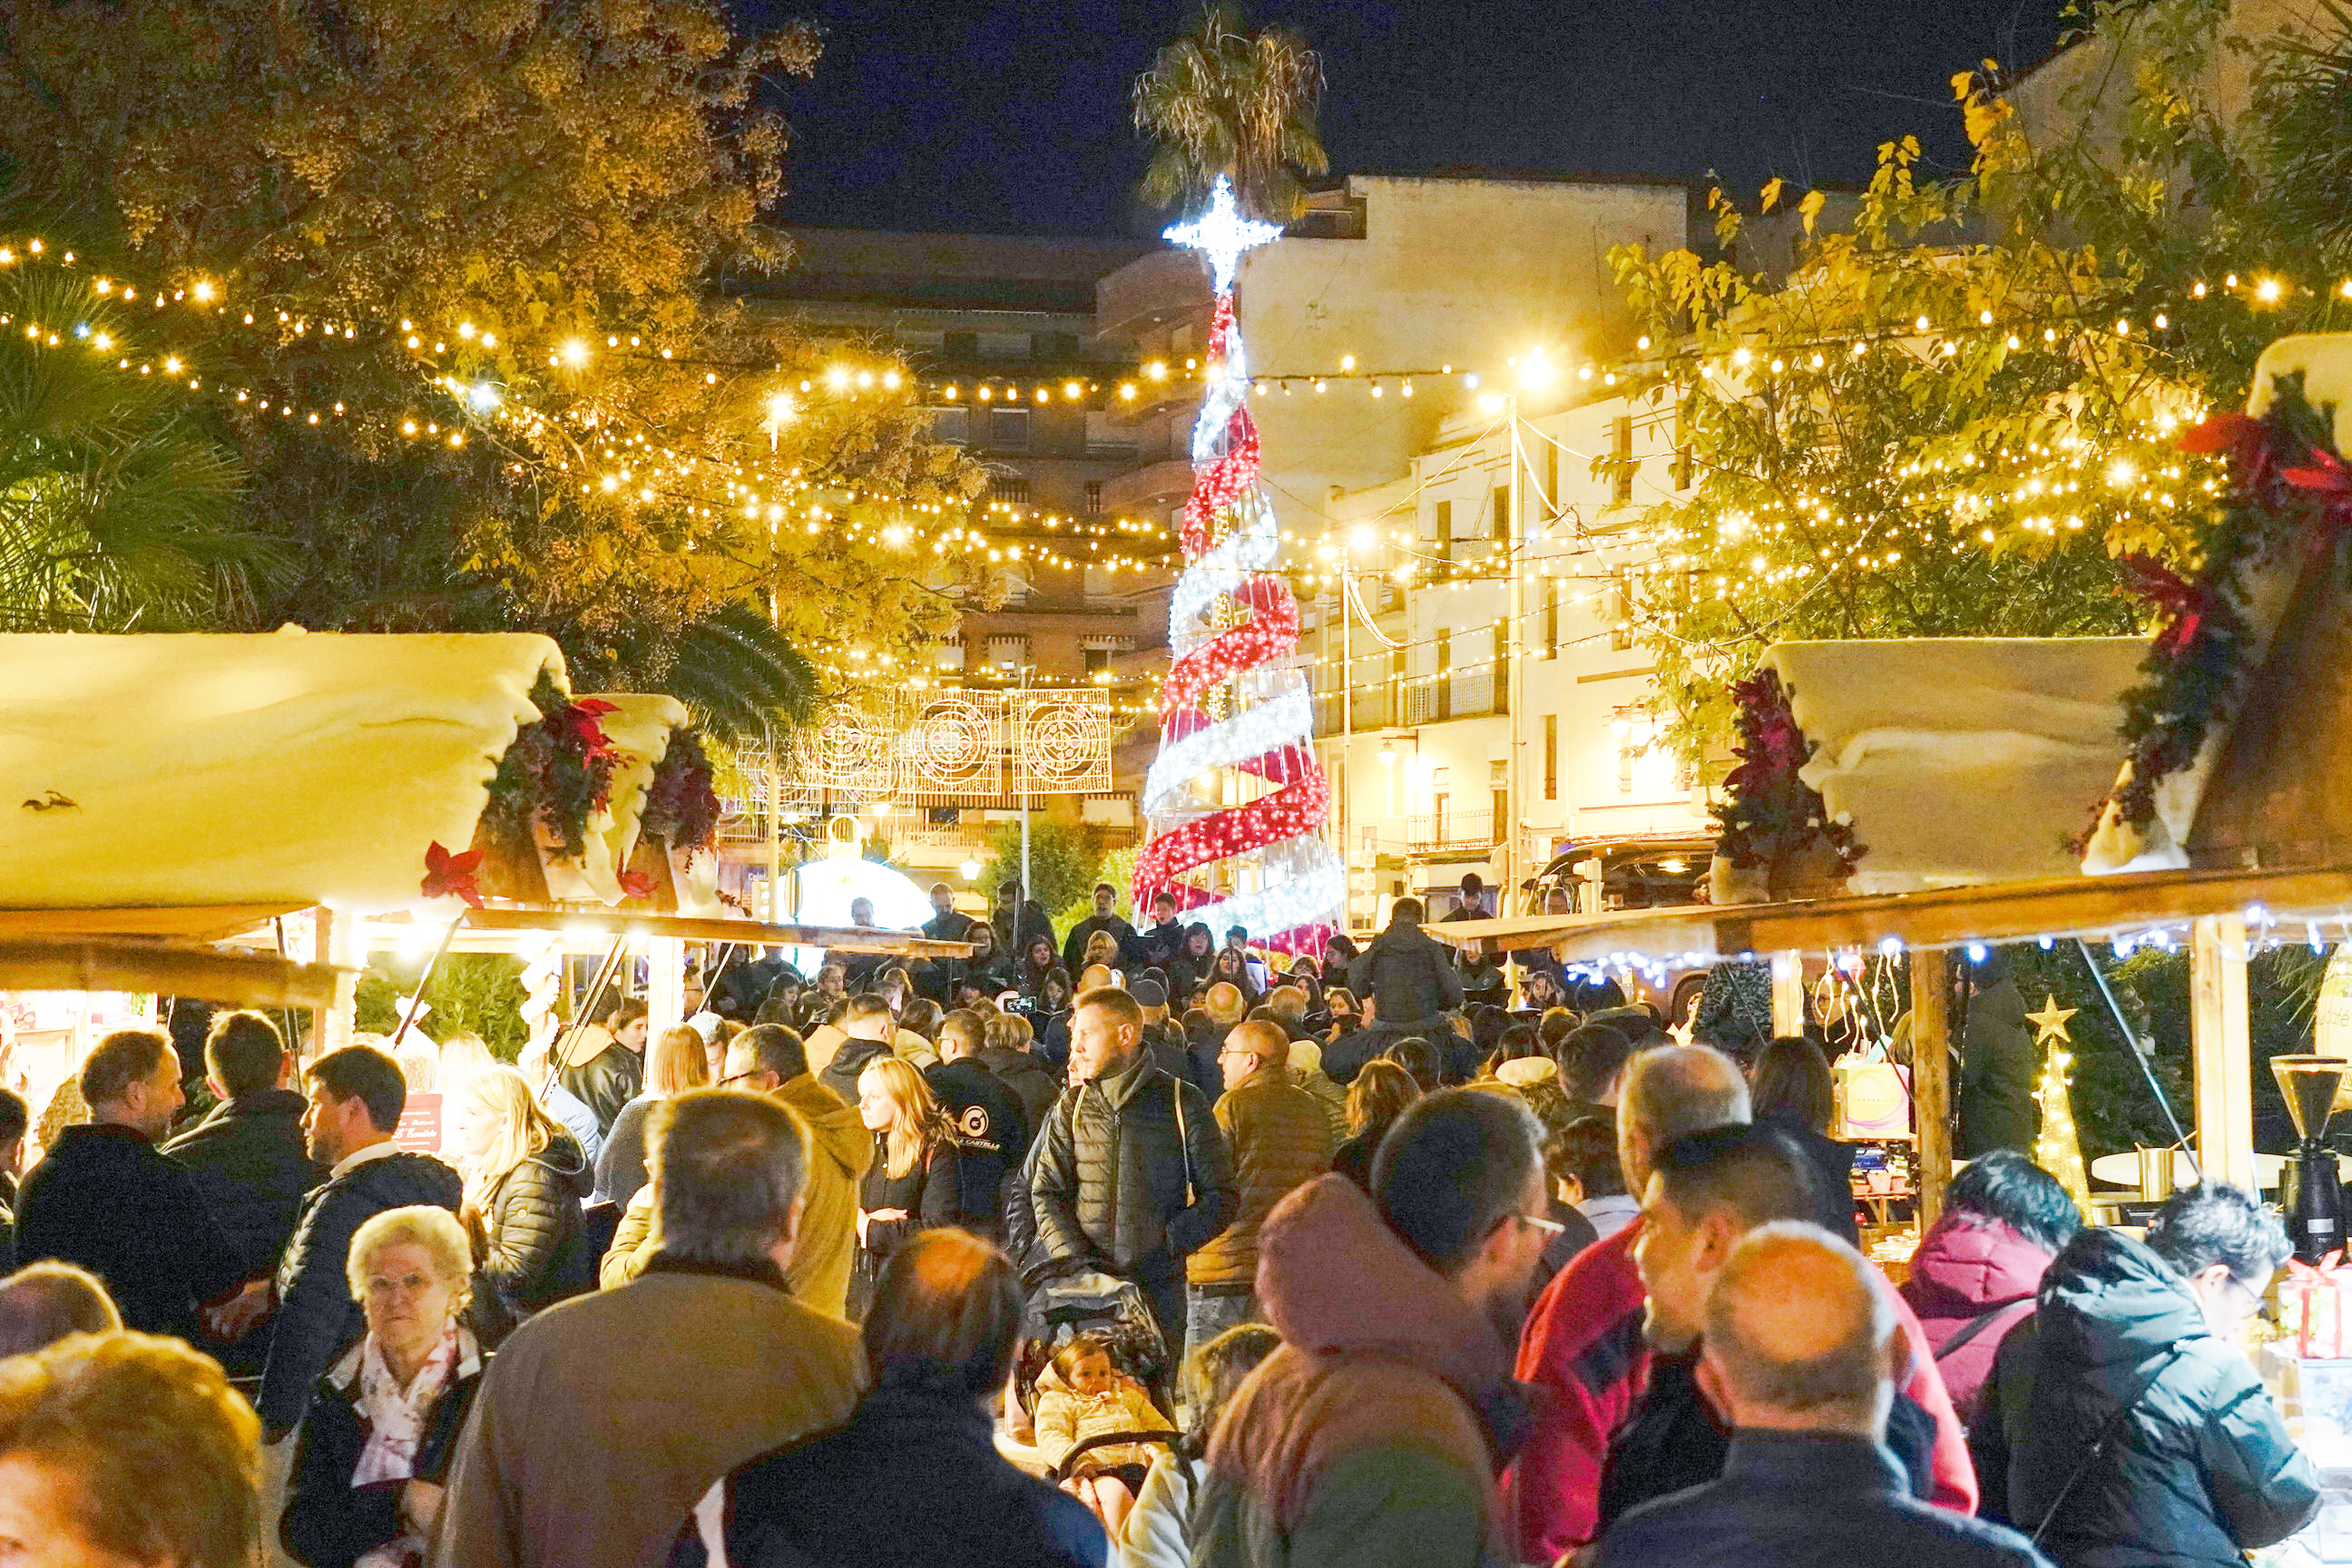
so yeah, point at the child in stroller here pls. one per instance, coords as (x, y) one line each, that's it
(1098, 1427)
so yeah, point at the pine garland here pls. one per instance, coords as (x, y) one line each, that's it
(2288, 490)
(559, 771)
(681, 804)
(1769, 815)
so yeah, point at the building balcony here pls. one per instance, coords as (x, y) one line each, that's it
(1450, 832)
(1152, 290)
(1481, 693)
(1152, 488)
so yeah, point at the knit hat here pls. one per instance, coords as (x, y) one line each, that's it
(1149, 994)
(1307, 1056)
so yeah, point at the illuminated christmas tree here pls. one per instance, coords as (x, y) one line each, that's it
(1236, 800)
(2059, 1150)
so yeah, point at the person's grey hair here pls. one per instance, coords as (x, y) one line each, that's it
(43, 1303)
(427, 1226)
(1678, 1089)
(1843, 1381)
(727, 1169)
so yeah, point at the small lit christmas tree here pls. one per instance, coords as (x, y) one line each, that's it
(2059, 1150)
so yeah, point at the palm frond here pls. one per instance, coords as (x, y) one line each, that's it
(1222, 100)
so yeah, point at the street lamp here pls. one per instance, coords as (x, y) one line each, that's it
(1388, 753)
(970, 870)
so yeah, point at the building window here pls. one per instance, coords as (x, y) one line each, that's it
(1551, 618)
(1053, 348)
(952, 426)
(1621, 610)
(1094, 497)
(1502, 511)
(1014, 488)
(1552, 756)
(1621, 449)
(1094, 659)
(1441, 531)
(959, 348)
(1008, 429)
(1445, 681)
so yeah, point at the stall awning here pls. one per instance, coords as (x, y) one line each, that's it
(182, 770)
(503, 921)
(2101, 907)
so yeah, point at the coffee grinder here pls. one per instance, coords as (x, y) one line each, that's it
(2310, 1195)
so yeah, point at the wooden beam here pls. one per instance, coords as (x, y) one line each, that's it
(203, 922)
(2222, 1044)
(1788, 994)
(693, 928)
(1931, 1077)
(98, 963)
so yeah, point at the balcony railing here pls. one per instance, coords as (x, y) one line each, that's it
(1423, 700)
(1447, 830)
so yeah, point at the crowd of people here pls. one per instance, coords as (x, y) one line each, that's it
(1193, 1259)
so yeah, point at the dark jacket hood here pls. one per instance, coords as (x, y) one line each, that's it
(2108, 1301)
(397, 1181)
(1401, 938)
(564, 1157)
(259, 1105)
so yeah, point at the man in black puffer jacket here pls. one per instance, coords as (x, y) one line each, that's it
(248, 1156)
(1115, 1184)
(1408, 975)
(871, 1030)
(2137, 1343)
(355, 1098)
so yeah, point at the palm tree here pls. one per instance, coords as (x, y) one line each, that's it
(117, 511)
(1222, 100)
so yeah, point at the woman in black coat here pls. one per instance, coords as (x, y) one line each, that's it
(915, 1183)
(525, 1178)
(383, 1424)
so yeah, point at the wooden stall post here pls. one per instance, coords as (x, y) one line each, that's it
(338, 939)
(1931, 1077)
(1788, 994)
(2221, 1044)
(666, 983)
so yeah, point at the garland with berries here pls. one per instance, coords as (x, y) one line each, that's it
(559, 772)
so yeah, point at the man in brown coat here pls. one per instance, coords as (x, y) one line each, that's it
(604, 1418)
(1281, 1140)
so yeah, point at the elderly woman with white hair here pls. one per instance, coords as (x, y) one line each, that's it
(383, 1423)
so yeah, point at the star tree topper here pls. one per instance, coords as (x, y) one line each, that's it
(2051, 1023)
(1222, 234)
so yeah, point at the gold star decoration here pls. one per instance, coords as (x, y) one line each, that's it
(2050, 1022)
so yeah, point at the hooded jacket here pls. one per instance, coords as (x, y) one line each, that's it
(316, 1315)
(1107, 1179)
(1032, 1084)
(1411, 974)
(536, 1249)
(1374, 1434)
(253, 1171)
(1280, 1139)
(1969, 1266)
(840, 1074)
(839, 1148)
(2201, 1469)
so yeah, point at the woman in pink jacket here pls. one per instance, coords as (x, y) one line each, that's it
(1974, 1277)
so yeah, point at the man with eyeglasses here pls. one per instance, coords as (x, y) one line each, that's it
(1280, 1139)
(1373, 1435)
(2135, 1428)
(770, 1059)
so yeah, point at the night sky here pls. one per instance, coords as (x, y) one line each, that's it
(1013, 118)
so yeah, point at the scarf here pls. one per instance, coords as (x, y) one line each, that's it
(394, 1420)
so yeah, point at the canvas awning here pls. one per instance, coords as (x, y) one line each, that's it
(293, 769)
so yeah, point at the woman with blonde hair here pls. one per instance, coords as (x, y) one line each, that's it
(525, 1176)
(383, 1424)
(914, 1183)
(465, 1056)
(1379, 1095)
(675, 1063)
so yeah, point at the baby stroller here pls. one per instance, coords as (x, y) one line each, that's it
(1081, 1322)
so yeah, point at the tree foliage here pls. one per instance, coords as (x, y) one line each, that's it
(1225, 100)
(1064, 864)
(499, 225)
(1956, 410)
(117, 509)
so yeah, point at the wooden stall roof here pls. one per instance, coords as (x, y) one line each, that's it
(119, 963)
(1950, 917)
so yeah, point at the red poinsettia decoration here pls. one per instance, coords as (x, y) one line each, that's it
(584, 720)
(637, 884)
(452, 875)
(2184, 604)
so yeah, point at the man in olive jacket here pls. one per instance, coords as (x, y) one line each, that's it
(1280, 1136)
(1130, 1174)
